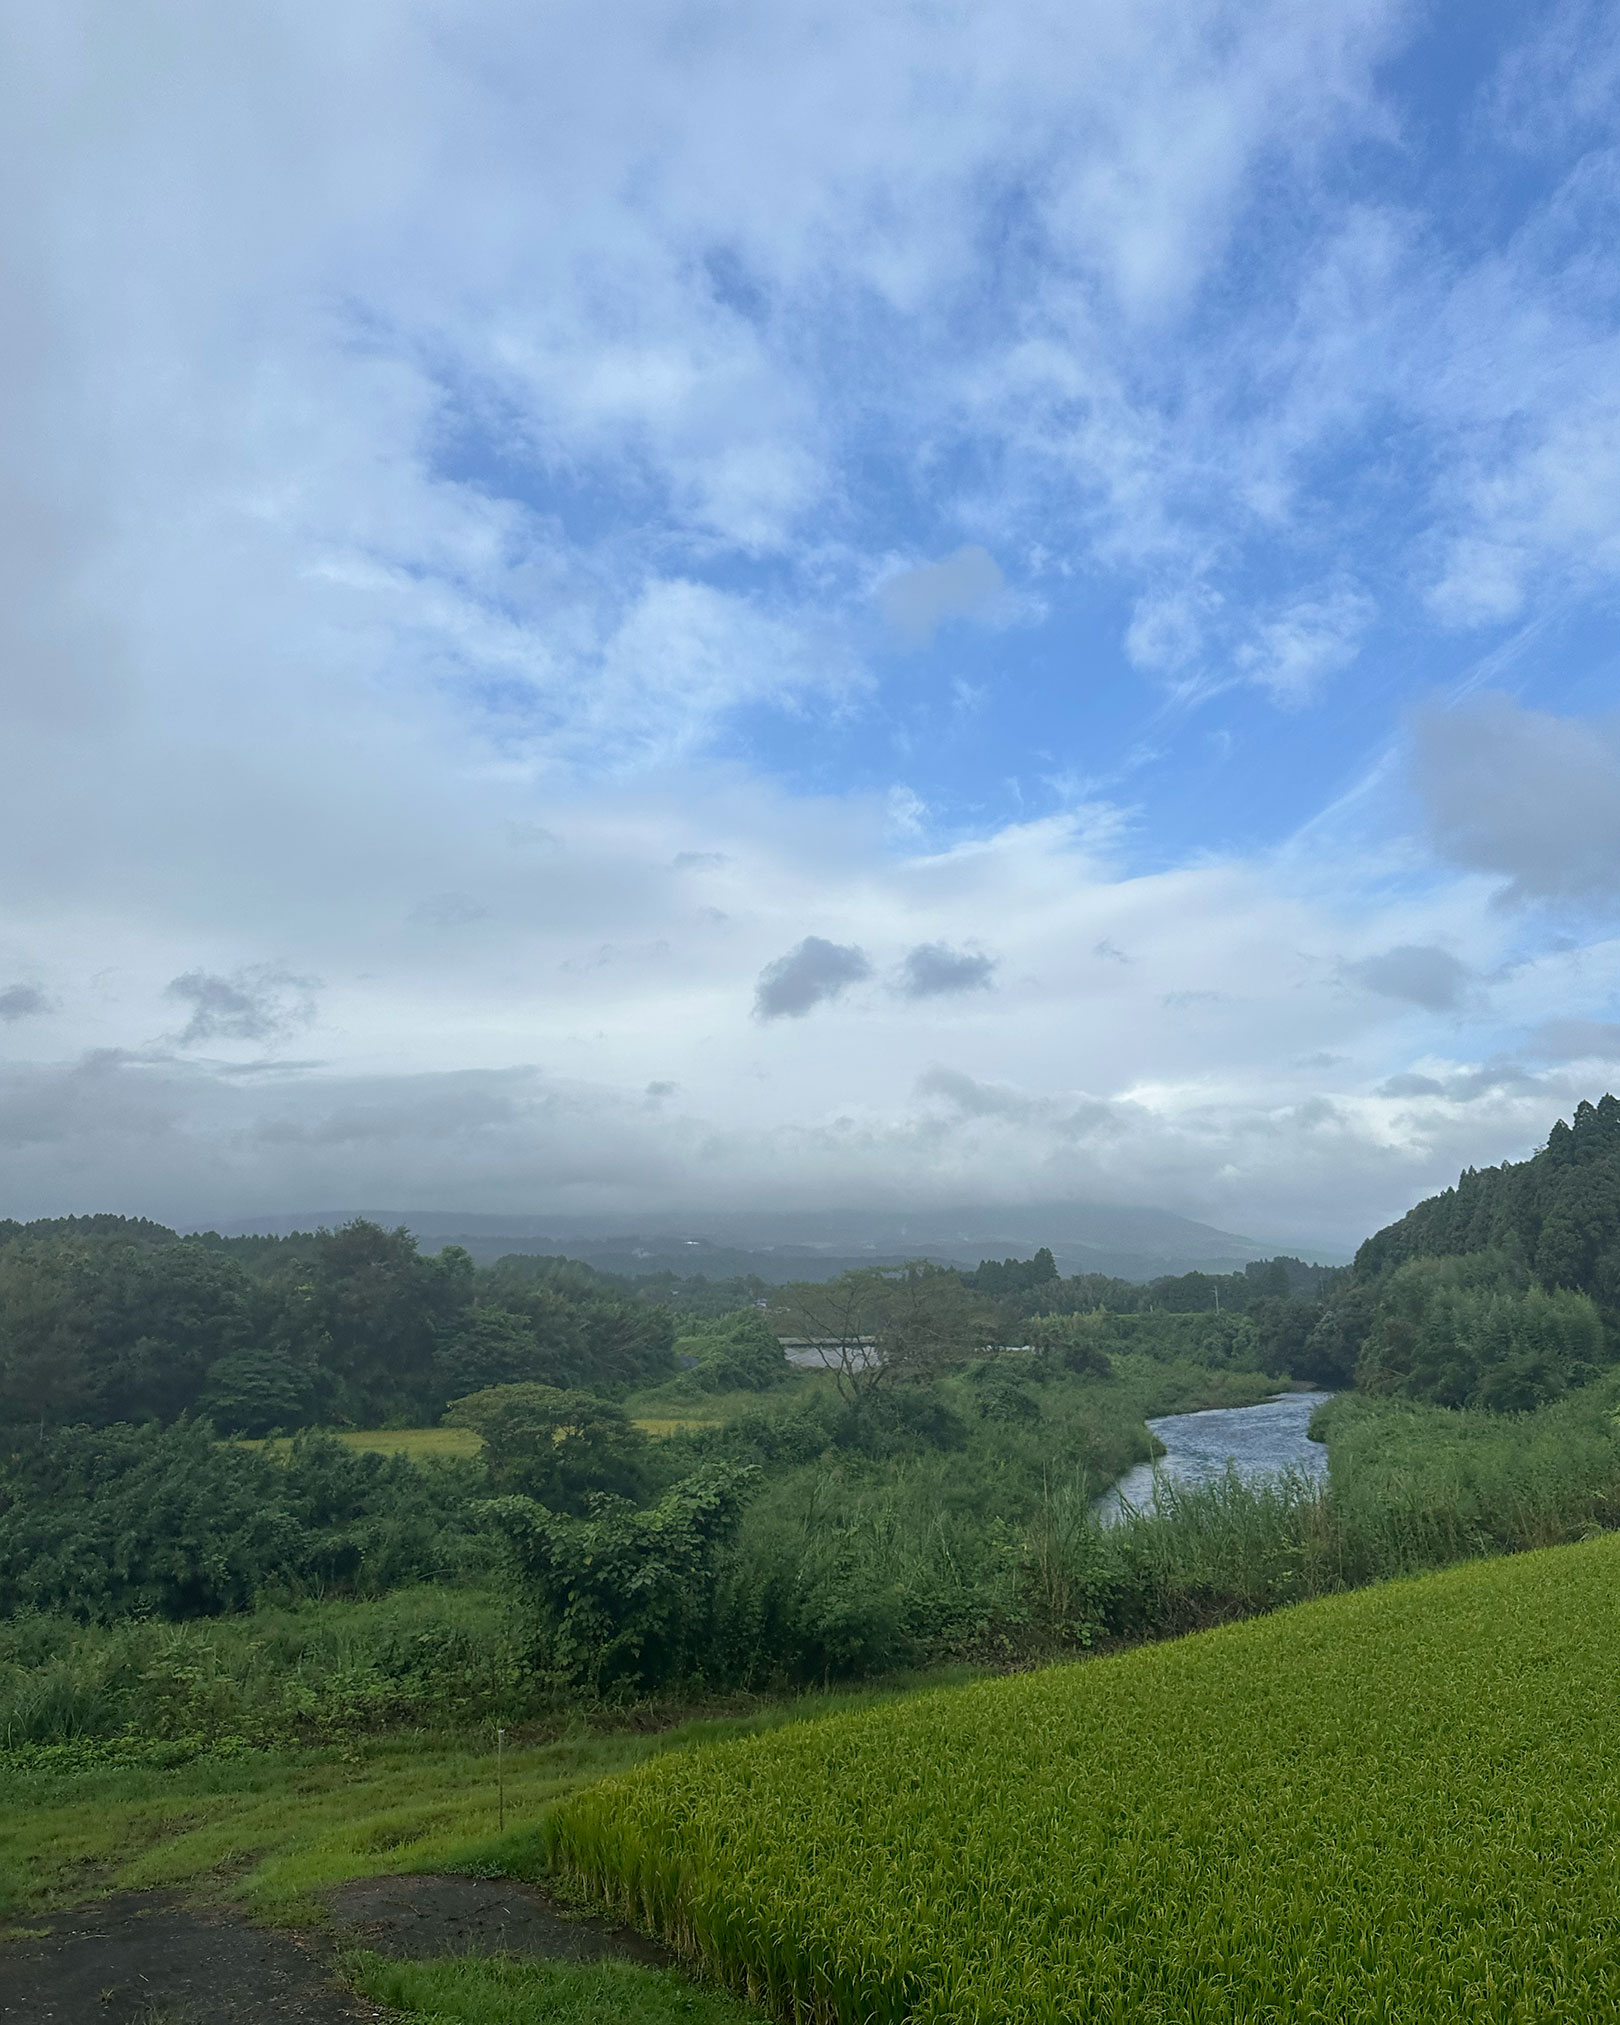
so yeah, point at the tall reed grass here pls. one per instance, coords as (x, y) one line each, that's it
(1409, 1489)
(423, 1657)
(847, 1569)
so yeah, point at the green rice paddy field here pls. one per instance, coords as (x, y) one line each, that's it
(1401, 1804)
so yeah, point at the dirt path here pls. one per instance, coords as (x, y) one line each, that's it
(143, 1957)
(148, 1958)
(415, 1917)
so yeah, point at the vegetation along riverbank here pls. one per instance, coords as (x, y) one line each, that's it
(291, 1528)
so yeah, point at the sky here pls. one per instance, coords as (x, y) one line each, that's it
(691, 607)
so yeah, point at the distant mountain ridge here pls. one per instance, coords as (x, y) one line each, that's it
(1126, 1242)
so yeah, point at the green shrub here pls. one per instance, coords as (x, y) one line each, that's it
(626, 1597)
(422, 1657)
(167, 1521)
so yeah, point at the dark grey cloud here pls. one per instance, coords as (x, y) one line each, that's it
(1409, 1085)
(188, 1141)
(1531, 798)
(1577, 1041)
(917, 601)
(807, 976)
(1417, 972)
(934, 970)
(23, 1002)
(255, 1004)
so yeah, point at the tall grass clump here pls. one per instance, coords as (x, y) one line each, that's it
(419, 1658)
(1410, 1488)
(1420, 1486)
(1398, 1805)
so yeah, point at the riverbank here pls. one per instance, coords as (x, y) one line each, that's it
(1258, 1443)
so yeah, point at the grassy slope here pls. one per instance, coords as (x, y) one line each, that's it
(270, 1828)
(466, 1991)
(1400, 1804)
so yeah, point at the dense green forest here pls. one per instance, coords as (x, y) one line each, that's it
(1502, 1292)
(107, 1318)
(653, 1497)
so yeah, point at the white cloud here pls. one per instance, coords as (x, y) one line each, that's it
(429, 428)
(515, 1074)
(1293, 653)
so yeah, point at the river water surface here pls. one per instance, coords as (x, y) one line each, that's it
(1258, 1441)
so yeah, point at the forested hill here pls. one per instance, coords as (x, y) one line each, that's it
(109, 1318)
(1557, 1214)
(1502, 1292)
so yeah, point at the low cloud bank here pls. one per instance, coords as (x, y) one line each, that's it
(198, 1145)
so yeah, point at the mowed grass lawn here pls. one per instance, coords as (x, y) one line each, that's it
(1402, 1804)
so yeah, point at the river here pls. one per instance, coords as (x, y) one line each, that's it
(1260, 1441)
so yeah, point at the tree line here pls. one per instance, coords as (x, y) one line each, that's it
(111, 1319)
(1501, 1292)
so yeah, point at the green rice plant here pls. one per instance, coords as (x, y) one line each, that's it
(1394, 1805)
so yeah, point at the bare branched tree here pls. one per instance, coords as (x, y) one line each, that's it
(880, 1325)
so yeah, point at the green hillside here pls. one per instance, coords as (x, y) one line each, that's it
(1558, 1213)
(1401, 1804)
(1502, 1292)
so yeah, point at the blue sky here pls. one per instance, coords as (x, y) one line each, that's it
(685, 605)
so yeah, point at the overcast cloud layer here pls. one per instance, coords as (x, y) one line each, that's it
(619, 610)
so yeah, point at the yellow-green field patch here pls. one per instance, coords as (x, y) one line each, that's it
(421, 1444)
(1398, 1805)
